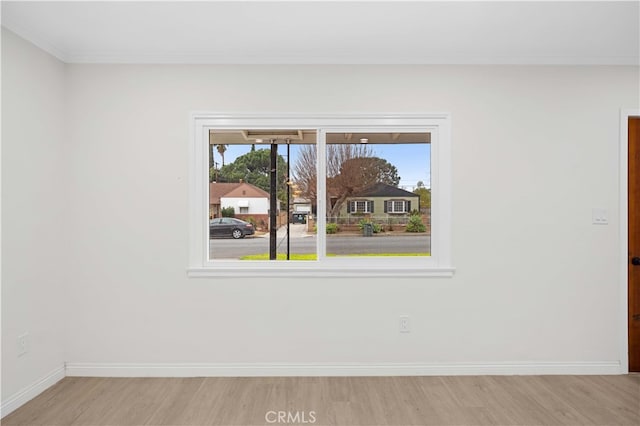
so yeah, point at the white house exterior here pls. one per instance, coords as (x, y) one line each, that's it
(301, 205)
(246, 205)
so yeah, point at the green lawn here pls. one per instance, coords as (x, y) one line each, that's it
(313, 256)
(383, 254)
(281, 256)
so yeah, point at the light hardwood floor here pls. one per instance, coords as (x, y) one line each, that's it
(455, 400)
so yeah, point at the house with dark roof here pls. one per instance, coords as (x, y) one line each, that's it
(381, 201)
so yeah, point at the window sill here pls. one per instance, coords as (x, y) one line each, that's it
(315, 271)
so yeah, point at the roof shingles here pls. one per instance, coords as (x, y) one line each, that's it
(383, 190)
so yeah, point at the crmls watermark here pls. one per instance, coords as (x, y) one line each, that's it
(290, 417)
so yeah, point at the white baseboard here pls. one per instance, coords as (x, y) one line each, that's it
(276, 369)
(387, 369)
(25, 395)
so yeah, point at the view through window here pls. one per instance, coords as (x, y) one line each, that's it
(378, 194)
(263, 200)
(256, 211)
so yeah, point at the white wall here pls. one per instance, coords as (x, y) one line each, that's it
(34, 192)
(535, 149)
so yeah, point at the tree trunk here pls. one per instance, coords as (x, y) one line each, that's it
(335, 210)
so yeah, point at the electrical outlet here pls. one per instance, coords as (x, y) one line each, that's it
(599, 217)
(23, 344)
(404, 324)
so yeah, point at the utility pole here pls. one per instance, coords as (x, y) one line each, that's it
(273, 201)
(288, 197)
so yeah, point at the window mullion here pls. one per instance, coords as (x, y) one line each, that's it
(321, 198)
(202, 188)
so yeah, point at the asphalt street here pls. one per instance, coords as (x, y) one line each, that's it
(339, 245)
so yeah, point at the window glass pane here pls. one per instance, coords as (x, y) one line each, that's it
(378, 194)
(241, 195)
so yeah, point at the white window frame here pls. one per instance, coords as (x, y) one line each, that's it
(393, 210)
(355, 203)
(438, 264)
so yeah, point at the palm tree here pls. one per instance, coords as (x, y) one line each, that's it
(221, 150)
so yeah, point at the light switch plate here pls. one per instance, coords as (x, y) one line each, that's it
(23, 344)
(405, 325)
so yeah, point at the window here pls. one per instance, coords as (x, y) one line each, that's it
(360, 206)
(395, 206)
(357, 177)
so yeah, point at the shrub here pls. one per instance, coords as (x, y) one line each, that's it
(332, 228)
(415, 224)
(252, 220)
(228, 212)
(376, 228)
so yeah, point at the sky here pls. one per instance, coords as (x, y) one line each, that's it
(413, 161)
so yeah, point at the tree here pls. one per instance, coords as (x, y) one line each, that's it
(374, 170)
(221, 150)
(304, 173)
(350, 169)
(254, 167)
(213, 165)
(214, 173)
(425, 196)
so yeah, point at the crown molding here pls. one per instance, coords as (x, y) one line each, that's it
(215, 59)
(33, 37)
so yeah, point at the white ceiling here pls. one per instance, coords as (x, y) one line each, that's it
(304, 32)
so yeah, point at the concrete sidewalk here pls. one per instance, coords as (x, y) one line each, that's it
(298, 230)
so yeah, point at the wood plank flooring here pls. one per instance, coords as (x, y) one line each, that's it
(451, 400)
